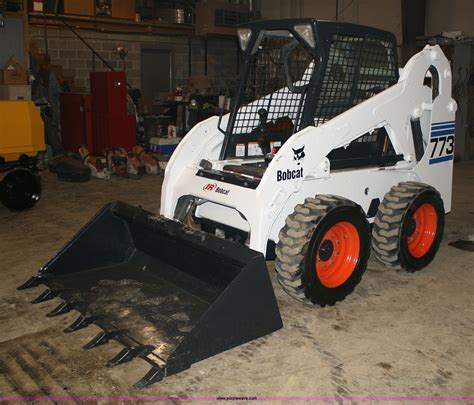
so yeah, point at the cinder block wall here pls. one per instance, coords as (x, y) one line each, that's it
(69, 52)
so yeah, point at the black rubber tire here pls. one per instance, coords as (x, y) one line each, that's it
(391, 225)
(303, 233)
(20, 189)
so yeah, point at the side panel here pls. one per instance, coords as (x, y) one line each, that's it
(21, 130)
(204, 141)
(362, 186)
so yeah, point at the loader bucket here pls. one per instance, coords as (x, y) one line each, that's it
(170, 294)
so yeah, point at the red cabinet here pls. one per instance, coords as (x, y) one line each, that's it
(113, 131)
(112, 126)
(109, 92)
(76, 122)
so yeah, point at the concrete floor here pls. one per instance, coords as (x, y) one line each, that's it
(398, 334)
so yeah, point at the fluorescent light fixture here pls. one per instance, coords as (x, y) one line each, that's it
(244, 35)
(306, 32)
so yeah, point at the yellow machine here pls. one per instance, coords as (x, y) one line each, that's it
(21, 138)
(21, 130)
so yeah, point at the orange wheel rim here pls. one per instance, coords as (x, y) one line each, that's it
(337, 254)
(422, 235)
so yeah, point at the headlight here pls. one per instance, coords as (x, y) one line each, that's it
(244, 35)
(306, 32)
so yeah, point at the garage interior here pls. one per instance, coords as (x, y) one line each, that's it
(113, 88)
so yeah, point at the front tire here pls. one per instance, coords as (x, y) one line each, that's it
(408, 227)
(323, 250)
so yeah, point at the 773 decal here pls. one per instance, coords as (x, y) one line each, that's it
(442, 141)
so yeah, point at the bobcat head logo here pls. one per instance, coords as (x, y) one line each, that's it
(299, 154)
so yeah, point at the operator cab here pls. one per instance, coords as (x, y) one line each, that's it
(299, 73)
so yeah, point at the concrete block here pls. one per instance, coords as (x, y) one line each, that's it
(67, 54)
(86, 55)
(76, 63)
(84, 73)
(74, 44)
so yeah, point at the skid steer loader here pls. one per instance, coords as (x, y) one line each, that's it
(329, 149)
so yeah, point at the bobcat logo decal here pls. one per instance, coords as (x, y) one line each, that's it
(299, 154)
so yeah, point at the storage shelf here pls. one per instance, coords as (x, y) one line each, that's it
(113, 25)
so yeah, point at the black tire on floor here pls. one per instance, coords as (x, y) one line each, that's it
(408, 226)
(323, 250)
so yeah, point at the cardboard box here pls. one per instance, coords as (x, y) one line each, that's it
(200, 83)
(15, 92)
(123, 9)
(82, 7)
(13, 72)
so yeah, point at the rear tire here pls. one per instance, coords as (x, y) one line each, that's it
(408, 227)
(323, 250)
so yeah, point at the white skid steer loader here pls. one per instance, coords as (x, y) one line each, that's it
(325, 137)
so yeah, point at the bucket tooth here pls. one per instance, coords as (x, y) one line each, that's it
(80, 323)
(46, 295)
(104, 337)
(32, 282)
(128, 354)
(62, 308)
(155, 375)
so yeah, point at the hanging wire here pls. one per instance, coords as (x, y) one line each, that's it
(338, 13)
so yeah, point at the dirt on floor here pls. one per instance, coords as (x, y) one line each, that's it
(398, 334)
